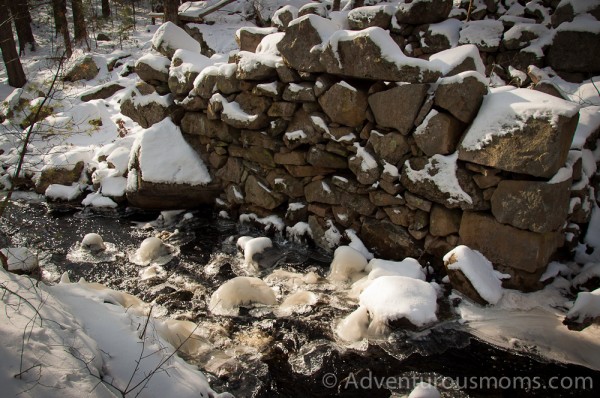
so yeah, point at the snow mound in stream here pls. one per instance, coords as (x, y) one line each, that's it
(239, 291)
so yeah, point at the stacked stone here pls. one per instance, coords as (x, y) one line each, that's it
(338, 134)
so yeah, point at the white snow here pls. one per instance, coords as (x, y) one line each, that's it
(368, 162)
(276, 20)
(324, 27)
(172, 36)
(478, 270)
(295, 135)
(271, 221)
(581, 23)
(587, 305)
(114, 186)
(232, 110)
(408, 267)
(449, 28)
(63, 192)
(579, 6)
(297, 303)
(20, 259)
(268, 44)
(393, 297)
(445, 177)
(355, 326)
(185, 62)
(248, 62)
(251, 246)
(152, 250)
(156, 61)
(588, 272)
(240, 291)
(589, 123)
(357, 244)
(93, 242)
(165, 156)
(486, 33)
(96, 199)
(424, 390)
(347, 262)
(503, 113)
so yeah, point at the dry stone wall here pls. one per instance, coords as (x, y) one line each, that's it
(339, 130)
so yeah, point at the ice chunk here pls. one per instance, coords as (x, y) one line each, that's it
(152, 249)
(424, 390)
(93, 242)
(587, 306)
(239, 291)
(20, 259)
(393, 297)
(153, 272)
(355, 326)
(298, 302)
(408, 267)
(97, 200)
(63, 192)
(253, 246)
(346, 263)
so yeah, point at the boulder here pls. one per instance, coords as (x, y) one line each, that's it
(283, 16)
(438, 134)
(321, 158)
(163, 196)
(359, 204)
(232, 171)
(507, 246)
(570, 49)
(197, 123)
(364, 166)
(366, 17)
(461, 95)
(185, 67)
(398, 107)
(423, 11)
(103, 91)
(521, 131)
(372, 54)
(251, 66)
(54, 174)
(443, 221)
(459, 59)
(145, 107)
(211, 42)
(322, 192)
(389, 241)
(441, 36)
(390, 147)
(258, 193)
(440, 180)
(344, 104)
(283, 183)
(234, 114)
(566, 13)
(534, 205)
(282, 109)
(486, 35)
(301, 36)
(299, 92)
(249, 37)
(83, 68)
(153, 69)
(522, 35)
(314, 9)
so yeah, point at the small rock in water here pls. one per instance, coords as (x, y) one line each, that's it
(242, 290)
(424, 390)
(93, 243)
(151, 249)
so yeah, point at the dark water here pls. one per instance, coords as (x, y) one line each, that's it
(301, 356)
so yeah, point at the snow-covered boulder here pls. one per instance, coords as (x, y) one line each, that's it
(67, 193)
(82, 68)
(249, 37)
(347, 262)
(283, 16)
(408, 267)
(153, 69)
(185, 67)
(102, 91)
(440, 180)
(259, 193)
(420, 12)
(240, 291)
(372, 54)
(474, 275)
(486, 35)
(170, 37)
(246, 112)
(522, 131)
(366, 17)
(256, 66)
(145, 106)
(441, 36)
(63, 165)
(585, 310)
(165, 172)
(251, 247)
(571, 44)
(364, 166)
(313, 8)
(424, 390)
(152, 250)
(20, 260)
(459, 59)
(388, 240)
(93, 242)
(438, 134)
(303, 38)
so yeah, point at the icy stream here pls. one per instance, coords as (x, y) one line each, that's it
(289, 351)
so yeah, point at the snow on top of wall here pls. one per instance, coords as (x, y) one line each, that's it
(369, 12)
(155, 61)
(478, 270)
(165, 156)
(445, 177)
(219, 37)
(449, 59)
(581, 23)
(324, 27)
(232, 109)
(381, 38)
(579, 6)
(518, 29)
(487, 32)
(276, 19)
(173, 36)
(449, 28)
(393, 297)
(503, 113)
(185, 62)
(248, 61)
(268, 44)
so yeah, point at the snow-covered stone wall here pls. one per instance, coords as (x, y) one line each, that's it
(339, 129)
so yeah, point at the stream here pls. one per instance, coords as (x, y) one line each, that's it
(263, 353)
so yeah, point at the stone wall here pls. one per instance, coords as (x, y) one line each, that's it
(331, 131)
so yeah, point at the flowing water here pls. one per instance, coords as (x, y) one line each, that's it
(264, 352)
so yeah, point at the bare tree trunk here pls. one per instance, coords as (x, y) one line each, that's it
(105, 9)
(336, 5)
(60, 22)
(172, 11)
(20, 14)
(14, 69)
(79, 24)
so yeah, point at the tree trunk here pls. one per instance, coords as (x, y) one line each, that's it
(336, 5)
(14, 69)
(60, 22)
(79, 25)
(105, 9)
(20, 14)
(172, 11)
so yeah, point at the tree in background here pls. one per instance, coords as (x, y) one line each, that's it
(79, 24)
(61, 26)
(172, 11)
(14, 69)
(19, 10)
(336, 5)
(105, 9)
